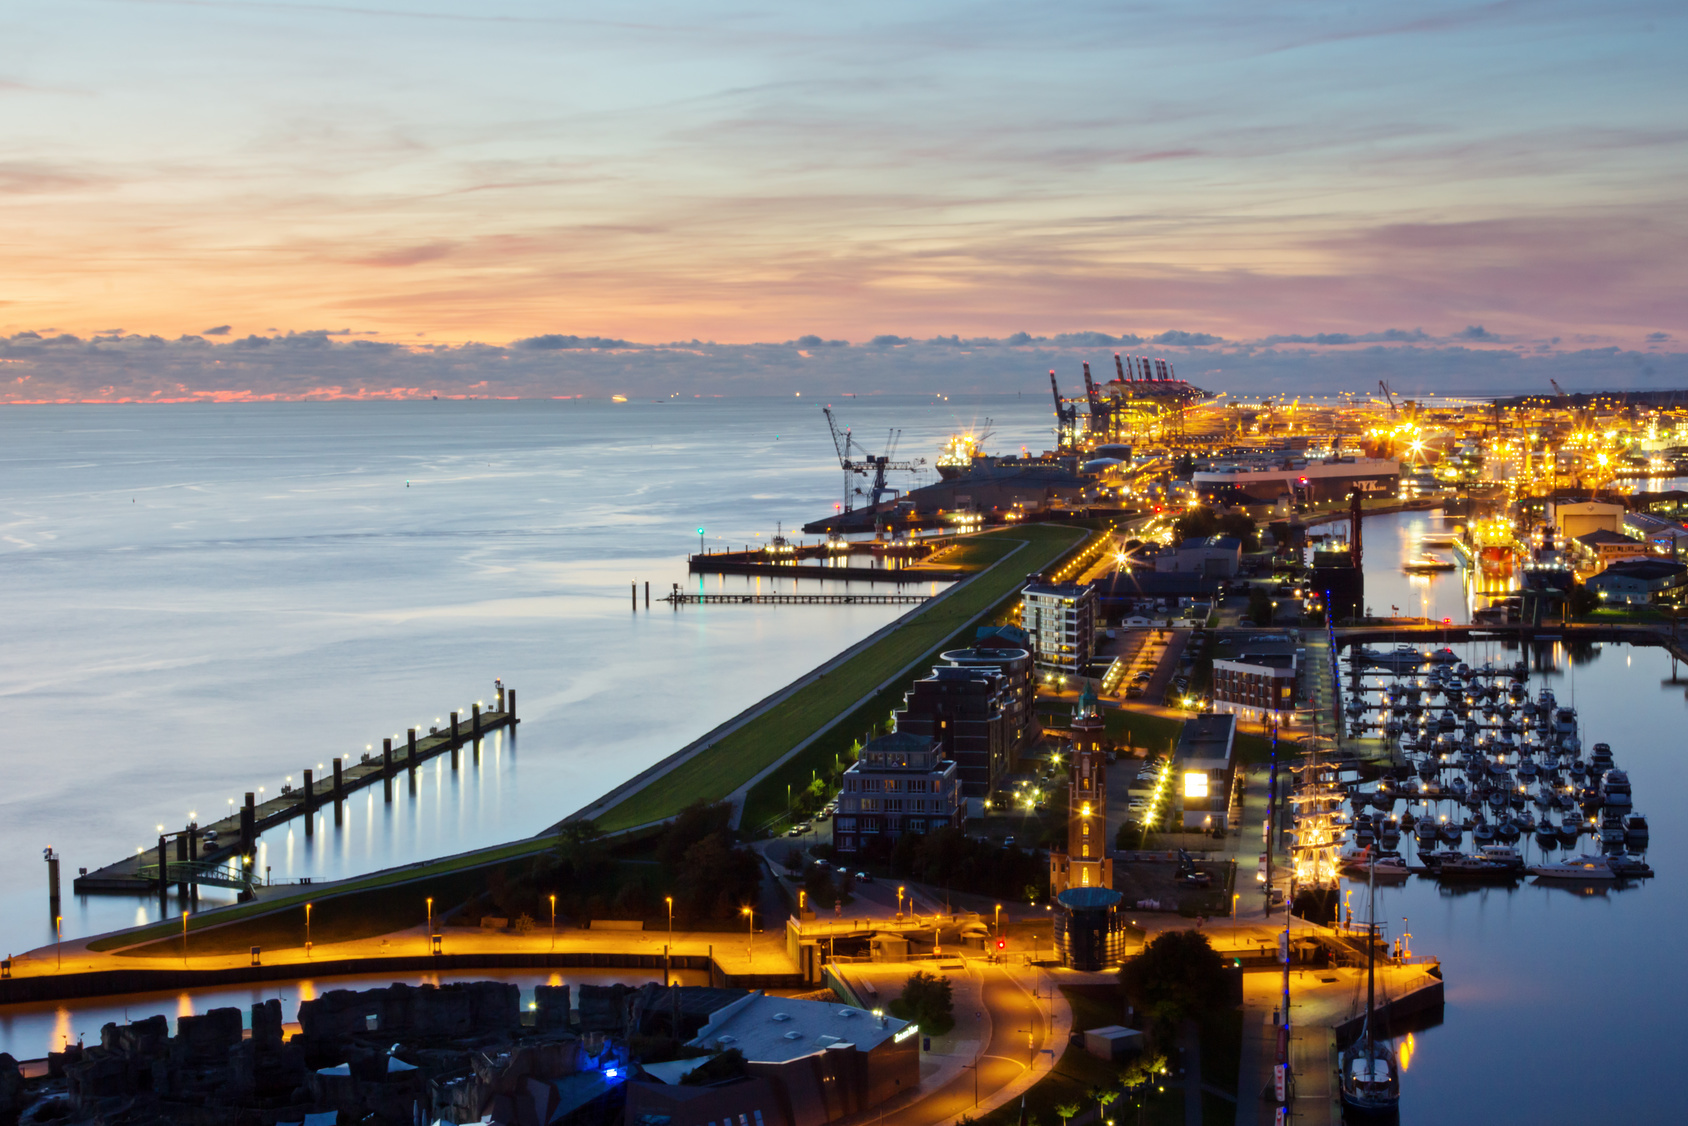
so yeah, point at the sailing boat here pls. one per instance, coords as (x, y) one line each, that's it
(1371, 1076)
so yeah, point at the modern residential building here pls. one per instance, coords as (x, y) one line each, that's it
(1641, 580)
(1060, 620)
(968, 712)
(1259, 680)
(1015, 665)
(1084, 863)
(1206, 766)
(900, 784)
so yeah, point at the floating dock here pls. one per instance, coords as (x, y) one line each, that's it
(186, 858)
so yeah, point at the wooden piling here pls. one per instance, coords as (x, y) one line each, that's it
(634, 592)
(387, 757)
(249, 824)
(410, 751)
(339, 782)
(510, 707)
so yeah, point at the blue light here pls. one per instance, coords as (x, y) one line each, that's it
(611, 1073)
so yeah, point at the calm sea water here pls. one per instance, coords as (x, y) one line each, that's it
(1562, 1006)
(204, 600)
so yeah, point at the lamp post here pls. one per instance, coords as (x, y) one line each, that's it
(899, 901)
(999, 920)
(749, 934)
(553, 920)
(430, 935)
(58, 931)
(669, 899)
(700, 541)
(307, 933)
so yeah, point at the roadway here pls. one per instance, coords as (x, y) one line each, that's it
(997, 1050)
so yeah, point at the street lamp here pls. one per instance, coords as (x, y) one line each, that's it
(58, 931)
(900, 901)
(749, 934)
(553, 920)
(999, 920)
(430, 935)
(669, 899)
(307, 933)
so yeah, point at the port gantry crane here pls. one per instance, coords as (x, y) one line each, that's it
(868, 465)
(1066, 418)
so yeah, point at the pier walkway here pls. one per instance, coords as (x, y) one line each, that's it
(194, 859)
(678, 599)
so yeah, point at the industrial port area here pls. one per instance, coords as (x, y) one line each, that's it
(1094, 831)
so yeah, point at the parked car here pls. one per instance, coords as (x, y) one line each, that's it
(863, 878)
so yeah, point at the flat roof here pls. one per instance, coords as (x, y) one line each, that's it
(778, 1029)
(1207, 740)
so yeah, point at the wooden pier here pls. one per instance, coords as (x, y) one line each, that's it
(677, 599)
(187, 859)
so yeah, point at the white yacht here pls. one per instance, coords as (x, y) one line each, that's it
(1576, 868)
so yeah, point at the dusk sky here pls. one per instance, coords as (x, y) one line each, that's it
(1500, 176)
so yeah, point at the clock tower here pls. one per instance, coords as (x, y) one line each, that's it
(1085, 862)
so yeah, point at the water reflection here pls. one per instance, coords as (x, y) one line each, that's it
(31, 1031)
(1534, 967)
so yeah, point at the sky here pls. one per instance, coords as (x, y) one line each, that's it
(1345, 190)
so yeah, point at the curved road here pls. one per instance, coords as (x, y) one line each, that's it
(1018, 1023)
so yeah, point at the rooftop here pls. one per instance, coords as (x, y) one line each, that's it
(1601, 536)
(777, 1029)
(1646, 570)
(1207, 739)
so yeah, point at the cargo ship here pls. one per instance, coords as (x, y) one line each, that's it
(1489, 547)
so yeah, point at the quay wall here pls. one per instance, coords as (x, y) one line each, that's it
(105, 983)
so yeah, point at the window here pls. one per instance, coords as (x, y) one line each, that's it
(1195, 784)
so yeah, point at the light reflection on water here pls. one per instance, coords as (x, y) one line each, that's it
(1564, 1003)
(207, 599)
(31, 1031)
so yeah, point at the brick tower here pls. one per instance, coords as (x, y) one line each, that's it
(1085, 862)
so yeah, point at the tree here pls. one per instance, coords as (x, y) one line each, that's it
(1260, 607)
(927, 1001)
(1066, 1110)
(713, 879)
(1104, 1096)
(1178, 976)
(1581, 602)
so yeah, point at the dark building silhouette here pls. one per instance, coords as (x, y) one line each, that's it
(966, 712)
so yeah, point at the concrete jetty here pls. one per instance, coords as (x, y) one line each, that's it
(218, 853)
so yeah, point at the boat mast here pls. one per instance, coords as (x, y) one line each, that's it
(1371, 957)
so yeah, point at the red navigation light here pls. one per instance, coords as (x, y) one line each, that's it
(1447, 621)
(1002, 944)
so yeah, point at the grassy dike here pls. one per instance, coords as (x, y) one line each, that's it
(832, 708)
(835, 709)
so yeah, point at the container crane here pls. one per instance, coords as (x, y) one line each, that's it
(1066, 417)
(867, 465)
(1394, 411)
